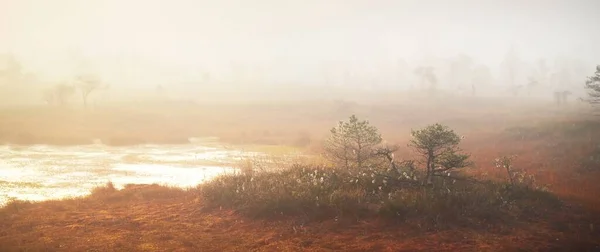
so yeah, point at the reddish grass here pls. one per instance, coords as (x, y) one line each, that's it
(153, 218)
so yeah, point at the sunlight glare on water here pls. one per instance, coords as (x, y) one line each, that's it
(174, 176)
(41, 172)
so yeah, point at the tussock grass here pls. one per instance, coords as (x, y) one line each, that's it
(320, 192)
(131, 192)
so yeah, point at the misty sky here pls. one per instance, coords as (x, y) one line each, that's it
(171, 38)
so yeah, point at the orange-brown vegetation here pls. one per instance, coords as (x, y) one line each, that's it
(154, 218)
(561, 151)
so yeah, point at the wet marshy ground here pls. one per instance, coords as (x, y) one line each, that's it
(41, 172)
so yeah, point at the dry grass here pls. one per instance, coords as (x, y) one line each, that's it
(560, 150)
(154, 218)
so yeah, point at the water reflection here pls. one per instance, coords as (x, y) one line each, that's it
(42, 172)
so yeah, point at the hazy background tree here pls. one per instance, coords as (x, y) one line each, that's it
(592, 85)
(438, 144)
(511, 66)
(11, 69)
(460, 72)
(543, 71)
(563, 72)
(88, 84)
(427, 77)
(58, 95)
(352, 143)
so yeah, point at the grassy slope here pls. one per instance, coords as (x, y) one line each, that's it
(151, 218)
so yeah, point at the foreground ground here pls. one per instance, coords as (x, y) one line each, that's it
(562, 151)
(160, 219)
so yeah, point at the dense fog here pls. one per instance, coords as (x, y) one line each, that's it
(254, 50)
